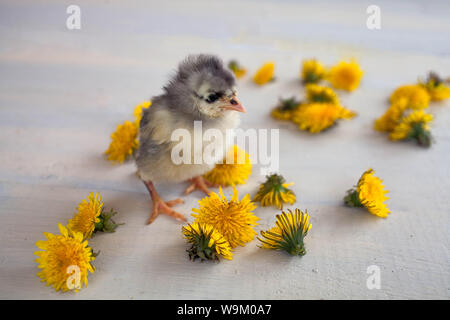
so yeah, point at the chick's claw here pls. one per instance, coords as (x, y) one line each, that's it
(165, 207)
(199, 183)
(159, 205)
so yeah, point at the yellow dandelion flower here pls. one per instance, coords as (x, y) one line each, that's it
(275, 192)
(265, 73)
(234, 219)
(391, 117)
(439, 93)
(414, 126)
(137, 112)
(87, 216)
(123, 142)
(417, 97)
(283, 111)
(236, 169)
(345, 75)
(207, 243)
(61, 256)
(321, 94)
(316, 117)
(369, 193)
(312, 71)
(238, 71)
(436, 87)
(288, 233)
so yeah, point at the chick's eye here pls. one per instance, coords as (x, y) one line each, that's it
(212, 97)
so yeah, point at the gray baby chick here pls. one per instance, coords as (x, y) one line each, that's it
(201, 90)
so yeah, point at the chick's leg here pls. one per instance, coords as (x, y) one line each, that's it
(159, 205)
(199, 183)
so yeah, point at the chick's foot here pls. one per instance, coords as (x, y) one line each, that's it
(199, 183)
(159, 205)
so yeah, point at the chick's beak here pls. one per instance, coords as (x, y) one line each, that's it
(234, 104)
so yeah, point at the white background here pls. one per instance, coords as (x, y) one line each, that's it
(62, 93)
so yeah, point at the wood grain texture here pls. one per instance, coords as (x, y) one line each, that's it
(63, 92)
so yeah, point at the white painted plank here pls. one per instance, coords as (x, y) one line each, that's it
(62, 93)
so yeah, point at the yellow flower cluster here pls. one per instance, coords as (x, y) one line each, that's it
(235, 169)
(320, 111)
(406, 118)
(369, 193)
(344, 75)
(124, 140)
(69, 253)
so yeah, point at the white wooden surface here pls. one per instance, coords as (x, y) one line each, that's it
(63, 92)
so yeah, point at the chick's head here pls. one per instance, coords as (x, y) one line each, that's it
(202, 86)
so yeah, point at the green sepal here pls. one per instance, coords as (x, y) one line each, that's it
(433, 79)
(233, 65)
(288, 104)
(352, 199)
(200, 249)
(106, 223)
(321, 98)
(274, 182)
(95, 254)
(298, 250)
(291, 237)
(421, 135)
(312, 78)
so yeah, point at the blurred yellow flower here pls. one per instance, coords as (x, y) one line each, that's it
(417, 97)
(123, 142)
(321, 94)
(284, 109)
(414, 126)
(138, 111)
(436, 87)
(236, 169)
(265, 73)
(312, 71)
(238, 70)
(345, 75)
(390, 118)
(316, 117)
